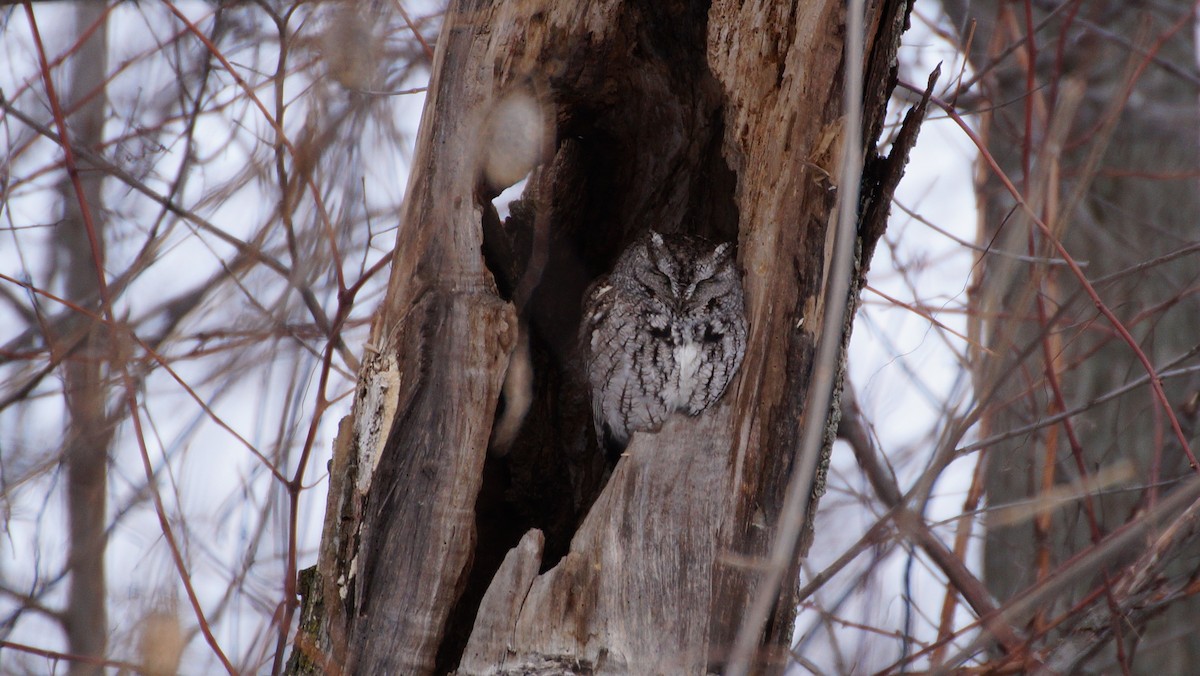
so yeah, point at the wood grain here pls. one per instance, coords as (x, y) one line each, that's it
(712, 120)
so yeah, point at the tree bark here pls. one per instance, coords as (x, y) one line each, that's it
(86, 346)
(718, 120)
(1113, 174)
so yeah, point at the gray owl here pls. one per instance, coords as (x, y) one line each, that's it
(665, 331)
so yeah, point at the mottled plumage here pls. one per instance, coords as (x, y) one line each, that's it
(665, 331)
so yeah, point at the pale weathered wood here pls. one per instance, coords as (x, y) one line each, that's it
(625, 597)
(407, 532)
(720, 121)
(493, 631)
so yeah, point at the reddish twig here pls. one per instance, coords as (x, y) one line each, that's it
(1155, 382)
(69, 657)
(416, 33)
(71, 166)
(165, 524)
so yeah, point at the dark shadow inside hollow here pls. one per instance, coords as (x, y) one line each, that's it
(637, 145)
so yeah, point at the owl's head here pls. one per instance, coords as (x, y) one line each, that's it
(684, 270)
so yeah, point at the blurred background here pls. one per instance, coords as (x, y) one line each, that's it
(198, 203)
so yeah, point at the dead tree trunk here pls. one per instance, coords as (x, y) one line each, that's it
(718, 120)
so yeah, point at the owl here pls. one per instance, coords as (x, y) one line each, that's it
(665, 331)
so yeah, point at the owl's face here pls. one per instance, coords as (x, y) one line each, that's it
(685, 272)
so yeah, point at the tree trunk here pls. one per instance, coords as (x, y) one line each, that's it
(719, 120)
(1113, 174)
(85, 348)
